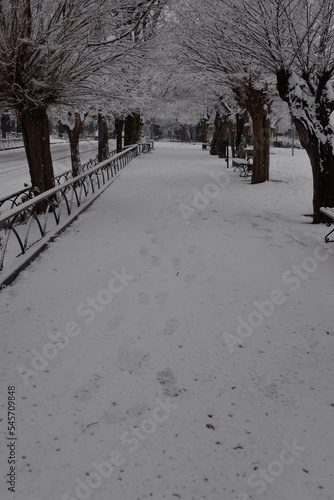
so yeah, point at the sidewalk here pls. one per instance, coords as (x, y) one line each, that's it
(177, 341)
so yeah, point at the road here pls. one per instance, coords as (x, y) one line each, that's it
(14, 168)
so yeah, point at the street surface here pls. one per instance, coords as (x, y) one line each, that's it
(14, 168)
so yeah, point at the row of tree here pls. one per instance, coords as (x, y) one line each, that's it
(71, 58)
(113, 58)
(249, 53)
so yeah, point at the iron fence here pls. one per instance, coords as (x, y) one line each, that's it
(28, 223)
(13, 200)
(11, 143)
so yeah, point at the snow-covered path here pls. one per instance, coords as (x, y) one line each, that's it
(199, 353)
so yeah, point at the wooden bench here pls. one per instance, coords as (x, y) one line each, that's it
(242, 166)
(329, 213)
(146, 147)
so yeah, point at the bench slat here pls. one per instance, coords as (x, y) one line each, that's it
(239, 161)
(327, 211)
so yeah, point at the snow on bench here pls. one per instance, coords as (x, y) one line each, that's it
(329, 213)
(243, 165)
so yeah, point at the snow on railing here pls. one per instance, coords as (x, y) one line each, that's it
(25, 225)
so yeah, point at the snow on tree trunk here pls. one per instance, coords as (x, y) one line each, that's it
(310, 108)
(36, 136)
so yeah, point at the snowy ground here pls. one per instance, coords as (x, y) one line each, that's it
(199, 353)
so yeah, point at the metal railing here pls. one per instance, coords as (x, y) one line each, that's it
(13, 200)
(11, 143)
(26, 224)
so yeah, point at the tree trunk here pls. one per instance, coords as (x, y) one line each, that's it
(321, 157)
(36, 136)
(311, 112)
(241, 134)
(73, 136)
(261, 135)
(119, 124)
(223, 127)
(5, 124)
(132, 129)
(257, 102)
(103, 153)
(205, 130)
(217, 136)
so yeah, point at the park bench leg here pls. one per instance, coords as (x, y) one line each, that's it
(244, 171)
(327, 240)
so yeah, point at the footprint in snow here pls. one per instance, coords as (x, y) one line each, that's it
(176, 262)
(189, 278)
(115, 322)
(129, 359)
(171, 326)
(167, 380)
(161, 298)
(86, 392)
(143, 298)
(115, 415)
(155, 260)
(261, 228)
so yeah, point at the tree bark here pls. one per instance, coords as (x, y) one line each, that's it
(132, 129)
(311, 111)
(205, 130)
(103, 147)
(257, 102)
(223, 127)
(36, 137)
(261, 137)
(119, 124)
(5, 124)
(321, 157)
(241, 134)
(217, 136)
(73, 136)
